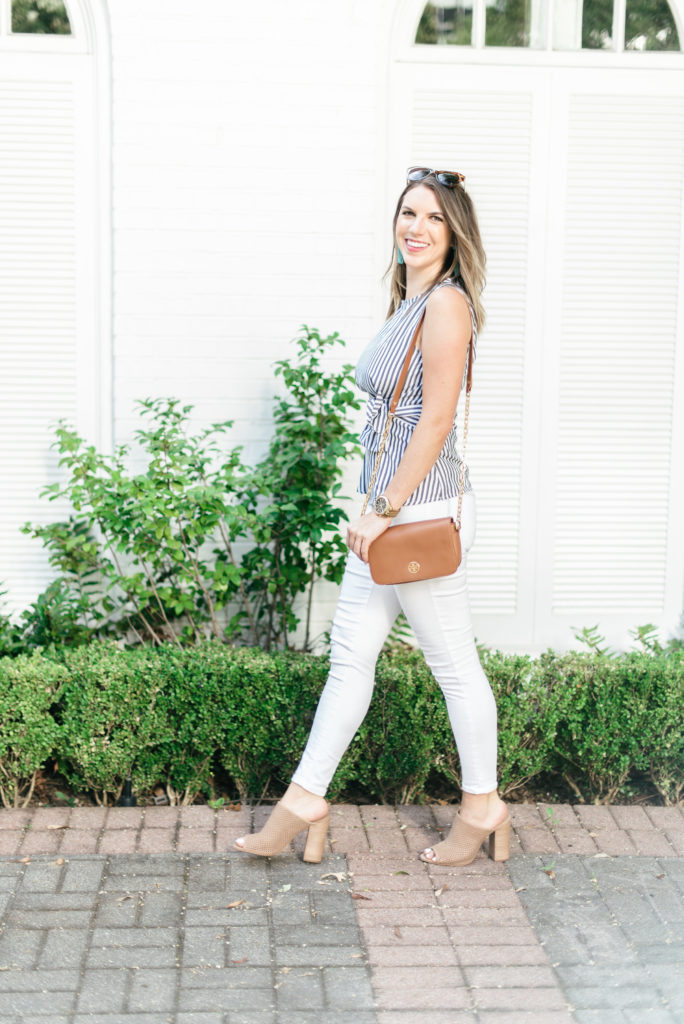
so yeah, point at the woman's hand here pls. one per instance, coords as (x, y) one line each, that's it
(363, 531)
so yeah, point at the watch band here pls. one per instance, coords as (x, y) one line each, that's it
(387, 510)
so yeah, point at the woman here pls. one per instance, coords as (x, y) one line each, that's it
(437, 269)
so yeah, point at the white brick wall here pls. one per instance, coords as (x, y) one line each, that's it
(247, 176)
(256, 151)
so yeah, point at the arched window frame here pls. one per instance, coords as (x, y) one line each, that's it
(81, 39)
(408, 14)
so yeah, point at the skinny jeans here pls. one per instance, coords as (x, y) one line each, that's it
(438, 611)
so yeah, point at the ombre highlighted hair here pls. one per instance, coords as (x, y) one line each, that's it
(467, 251)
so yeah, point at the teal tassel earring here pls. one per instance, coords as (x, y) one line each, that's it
(457, 266)
(400, 258)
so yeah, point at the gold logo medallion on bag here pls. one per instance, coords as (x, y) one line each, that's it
(413, 567)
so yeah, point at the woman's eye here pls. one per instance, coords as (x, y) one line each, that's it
(436, 217)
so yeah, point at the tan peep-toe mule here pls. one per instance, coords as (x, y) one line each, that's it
(280, 830)
(463, 843)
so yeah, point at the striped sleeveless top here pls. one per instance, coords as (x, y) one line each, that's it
(377, 373)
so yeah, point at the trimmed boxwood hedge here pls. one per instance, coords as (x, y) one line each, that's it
(175, 716)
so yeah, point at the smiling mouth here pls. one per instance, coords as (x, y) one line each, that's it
(414, 246)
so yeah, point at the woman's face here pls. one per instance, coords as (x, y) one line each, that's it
(422, 232)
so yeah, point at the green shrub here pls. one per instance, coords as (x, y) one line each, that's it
(268, 703)
(600, 740)
(291, 494)
(29, 688)
(191, 705)
(605, 725)
(149, 556)
(663, 734)
(51, 621)
(112, 725)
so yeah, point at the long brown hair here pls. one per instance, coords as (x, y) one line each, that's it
(467, 251)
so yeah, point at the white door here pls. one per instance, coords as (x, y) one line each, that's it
(54, 294)
(576, 446)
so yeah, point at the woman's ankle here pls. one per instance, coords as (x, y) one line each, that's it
(481, 805)
(301, 801)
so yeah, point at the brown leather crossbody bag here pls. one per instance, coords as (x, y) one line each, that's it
(424, 550)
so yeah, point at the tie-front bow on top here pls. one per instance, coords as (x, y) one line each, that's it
(377, 373)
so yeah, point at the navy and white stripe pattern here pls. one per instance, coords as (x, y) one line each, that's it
(377, 373)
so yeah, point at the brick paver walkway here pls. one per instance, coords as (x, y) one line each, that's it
(142, 916)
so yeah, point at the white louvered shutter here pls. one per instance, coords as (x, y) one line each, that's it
(506, 141)
(611, 513)
(48, 300)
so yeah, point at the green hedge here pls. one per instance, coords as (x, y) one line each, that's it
(29, 734)
(597, 725)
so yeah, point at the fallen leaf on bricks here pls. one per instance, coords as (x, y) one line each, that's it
(25, 860)
(360, 896)
(339, 876)
(52, 828)
(243, 960)
(397, 932)
(400, 872)
(237, 903)
(122, 899)
(521, 888)
(438, 892)
(285, 888)
(60, 861)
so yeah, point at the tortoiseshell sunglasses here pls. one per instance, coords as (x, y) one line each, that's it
(450, 179)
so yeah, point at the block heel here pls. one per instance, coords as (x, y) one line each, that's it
(499, 846)
(315, 840)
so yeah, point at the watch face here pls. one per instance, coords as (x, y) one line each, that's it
(381, 505)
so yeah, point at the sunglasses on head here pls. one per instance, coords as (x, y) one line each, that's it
(450, 179)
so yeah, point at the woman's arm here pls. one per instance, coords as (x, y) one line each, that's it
(447, 329)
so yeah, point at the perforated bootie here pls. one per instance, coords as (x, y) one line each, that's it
(280, 830)
(462, 845)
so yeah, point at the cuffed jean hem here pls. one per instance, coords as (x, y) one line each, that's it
(311, 786)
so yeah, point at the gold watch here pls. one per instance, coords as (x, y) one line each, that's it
(382, 507)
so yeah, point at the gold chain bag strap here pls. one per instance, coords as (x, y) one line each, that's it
(424, 550)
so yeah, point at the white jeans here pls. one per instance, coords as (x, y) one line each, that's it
(438, 611)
